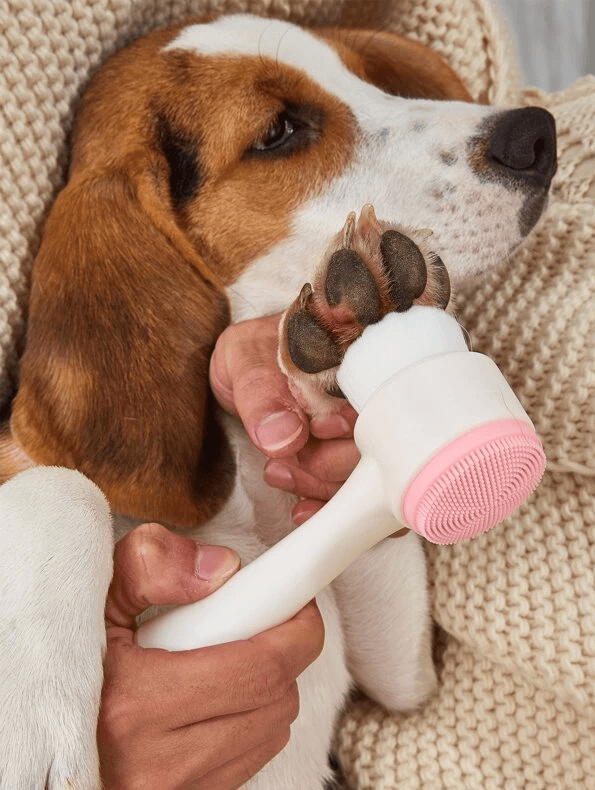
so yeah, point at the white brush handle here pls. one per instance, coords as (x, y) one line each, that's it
(281, 581)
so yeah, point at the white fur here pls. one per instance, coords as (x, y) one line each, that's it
(55, 567)
(55, 532)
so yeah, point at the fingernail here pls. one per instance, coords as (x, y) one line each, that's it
(279, 476)
(332, 426)
(214, 563)
(278, 430)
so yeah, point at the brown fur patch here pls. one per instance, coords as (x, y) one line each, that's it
(396, 64)
(246, 201)
(114, 380)
(12, 458)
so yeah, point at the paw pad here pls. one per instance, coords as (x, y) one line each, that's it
(371, 268)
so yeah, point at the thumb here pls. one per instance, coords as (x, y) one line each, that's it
(154, 566)
(247, 381)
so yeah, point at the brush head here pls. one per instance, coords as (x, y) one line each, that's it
(474, 482)
(457, 450)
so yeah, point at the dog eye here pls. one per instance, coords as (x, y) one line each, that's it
(280, 132)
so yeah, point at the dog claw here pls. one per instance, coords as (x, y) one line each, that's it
(349, 230)
(441, 282)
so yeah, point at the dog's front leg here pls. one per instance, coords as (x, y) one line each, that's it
(385, 611)
(371, 268)
(55, 567)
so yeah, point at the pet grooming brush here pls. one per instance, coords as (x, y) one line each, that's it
(446, 450)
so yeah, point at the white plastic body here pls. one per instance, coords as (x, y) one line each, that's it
(394, 344)
(259, 596)
(421, 408)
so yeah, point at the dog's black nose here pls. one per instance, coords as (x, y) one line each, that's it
(523, 145)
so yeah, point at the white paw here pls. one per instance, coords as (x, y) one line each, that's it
(48, 736)
(55, 567)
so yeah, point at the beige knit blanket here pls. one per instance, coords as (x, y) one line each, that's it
(515, 607)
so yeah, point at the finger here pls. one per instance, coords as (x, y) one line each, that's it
(247, 381)
(236, 772)
(317, 471)
(183, 755)
(196, 685)
(241, 346)
(332, 461)
(335, 425)
(215, 742)
(293, 479)
(154, 566)
(305, 509)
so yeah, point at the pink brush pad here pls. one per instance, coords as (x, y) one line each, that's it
(473, 483)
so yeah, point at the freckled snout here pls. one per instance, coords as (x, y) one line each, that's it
(523, 146)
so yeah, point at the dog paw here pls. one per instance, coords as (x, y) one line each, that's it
(48, 713)
(56, 549)
(48, 742)
(371, 268)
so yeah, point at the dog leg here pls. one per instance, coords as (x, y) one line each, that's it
(55, 568)
(385, 610)
(370, 269)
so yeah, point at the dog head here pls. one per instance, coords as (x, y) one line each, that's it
(211, 164)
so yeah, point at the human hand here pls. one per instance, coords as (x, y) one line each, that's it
(309, 459)
(208, 718)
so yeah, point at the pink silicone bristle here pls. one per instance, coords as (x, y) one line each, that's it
(475, 482)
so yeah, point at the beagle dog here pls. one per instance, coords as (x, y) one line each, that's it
(215, 169)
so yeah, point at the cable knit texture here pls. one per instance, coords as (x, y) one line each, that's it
(516, 607)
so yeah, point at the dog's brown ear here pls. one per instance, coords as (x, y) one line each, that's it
(123, 317)
(396, 64)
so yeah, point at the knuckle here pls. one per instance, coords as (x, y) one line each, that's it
(256, 378)
(122, 712)
(143, 544)
(316, 633)
(151, 547)
(118, 717)
(329, 490)
(311, 488)
(270, 678)
(149, 533)
(291, 704)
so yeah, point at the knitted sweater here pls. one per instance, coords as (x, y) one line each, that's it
(515, 608)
